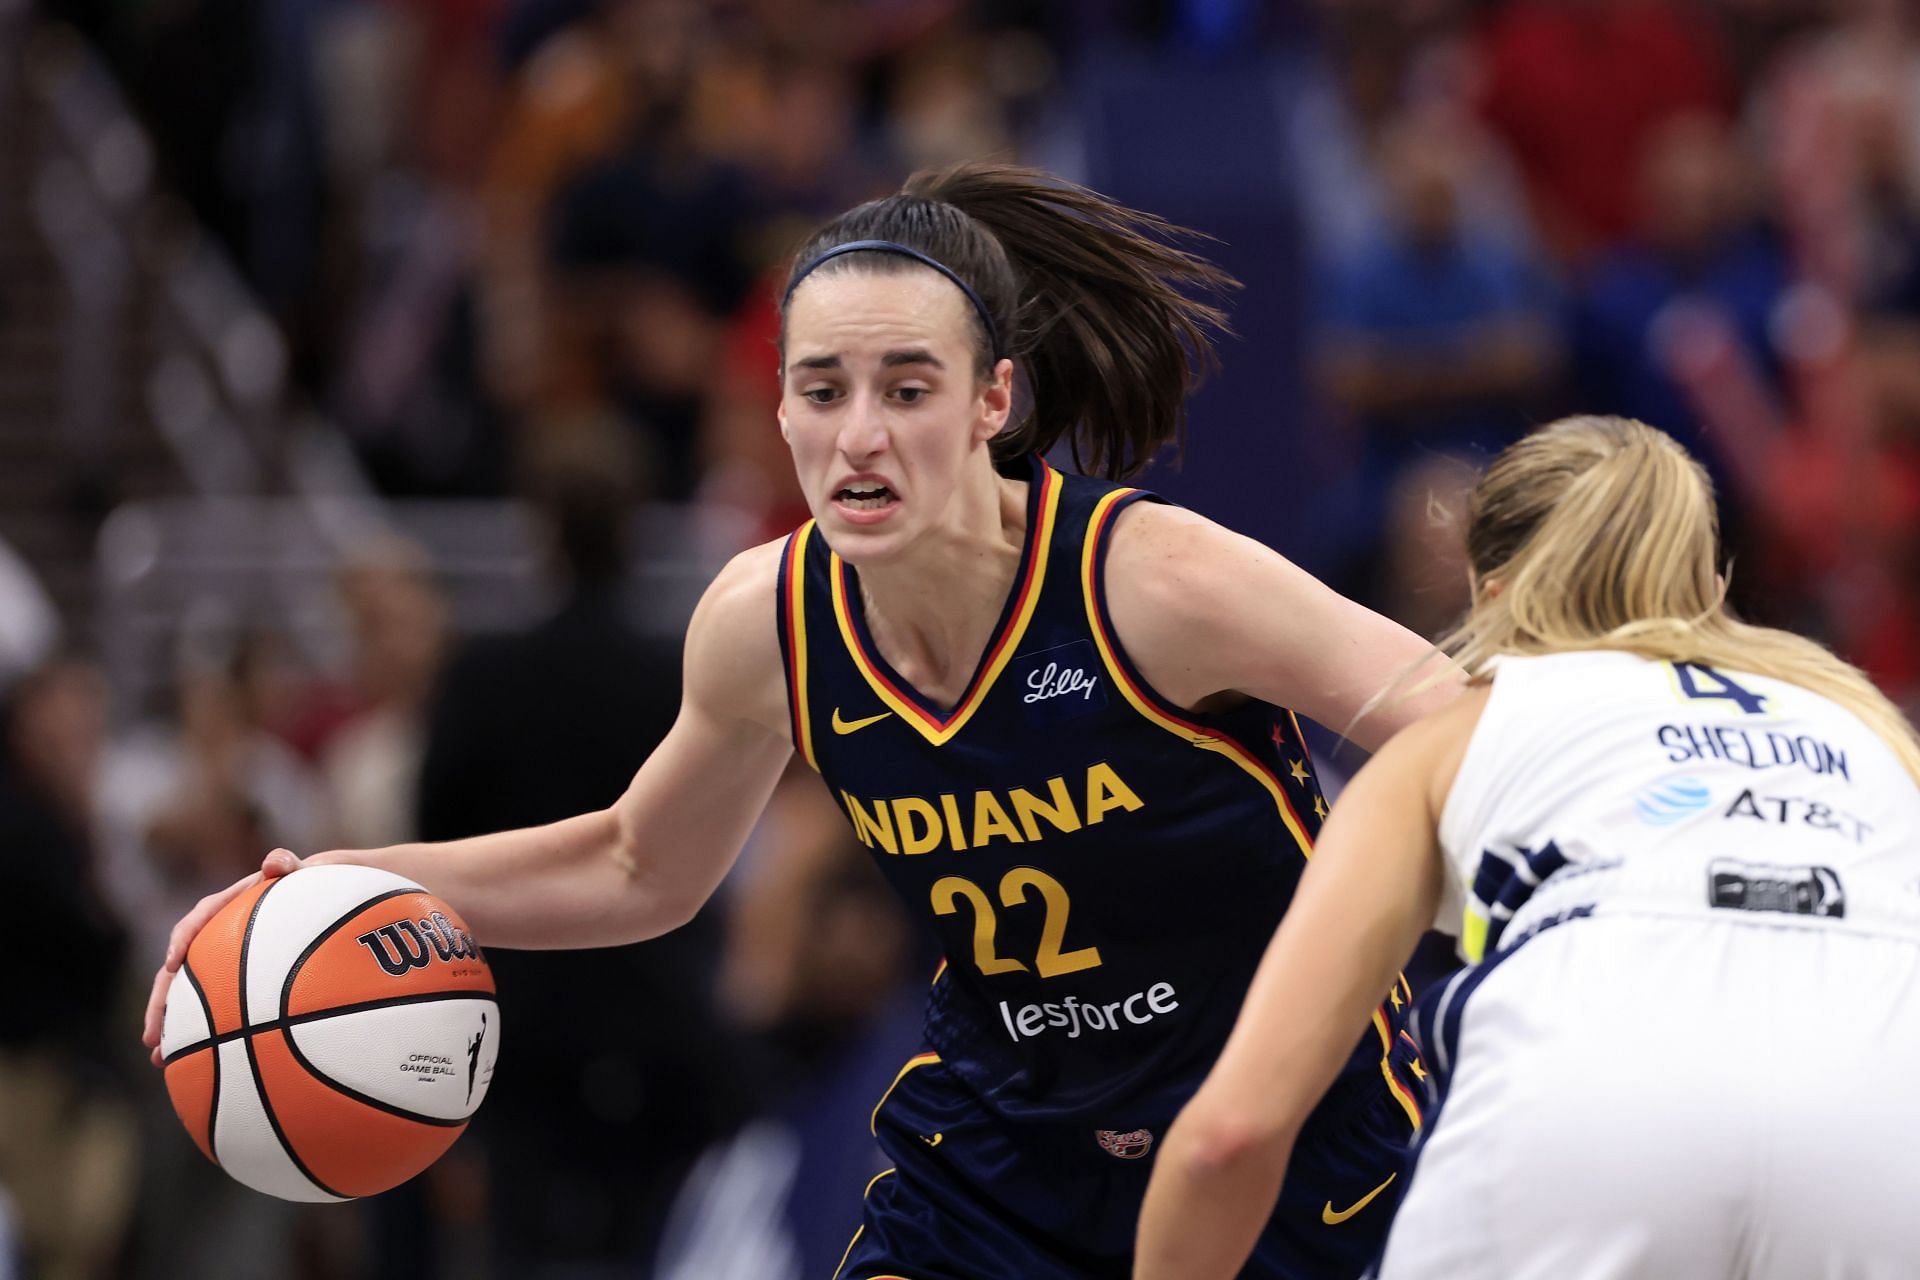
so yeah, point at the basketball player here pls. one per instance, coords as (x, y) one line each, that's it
(1052, 708)
(1682, 854)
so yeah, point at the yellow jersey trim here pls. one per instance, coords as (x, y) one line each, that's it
(916, 1061)
(935, 730)
(793, 596)
(1194, 735)
(861, 1229)
(1398, 1090)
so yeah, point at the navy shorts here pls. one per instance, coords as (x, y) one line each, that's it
(972, 1196)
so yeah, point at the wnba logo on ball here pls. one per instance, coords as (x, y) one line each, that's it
(405, 944)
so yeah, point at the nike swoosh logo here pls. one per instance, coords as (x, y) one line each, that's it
(1334, 1218)
(854, 726)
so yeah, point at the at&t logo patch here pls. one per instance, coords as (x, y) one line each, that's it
(1671, 800)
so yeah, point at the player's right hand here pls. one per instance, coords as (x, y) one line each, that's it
(277, 863)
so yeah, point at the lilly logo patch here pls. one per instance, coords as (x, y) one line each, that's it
(1672, 800)
(1060, 683)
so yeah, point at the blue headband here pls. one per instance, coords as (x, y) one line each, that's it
(905, 251)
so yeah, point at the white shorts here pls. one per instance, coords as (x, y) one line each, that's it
(1719, 1094)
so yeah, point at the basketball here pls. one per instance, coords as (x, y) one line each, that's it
(330, 1033)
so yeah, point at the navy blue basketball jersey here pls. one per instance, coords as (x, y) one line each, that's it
(1104, 869)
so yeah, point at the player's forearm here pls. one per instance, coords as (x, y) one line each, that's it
(567, 884)
(1214, 1185)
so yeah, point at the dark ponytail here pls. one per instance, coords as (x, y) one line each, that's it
(1090, 299)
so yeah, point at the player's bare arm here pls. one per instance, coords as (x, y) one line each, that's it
(644, 865)
(1370, 891)
(1206, 612)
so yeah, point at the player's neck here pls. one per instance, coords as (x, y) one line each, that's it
(932, 612)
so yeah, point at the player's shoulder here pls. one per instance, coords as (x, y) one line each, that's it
(733, 645)
(1450, 726)
(1169, 563)
(746, 581)
(1429, 751)
(1158, 526)
(1164, 554)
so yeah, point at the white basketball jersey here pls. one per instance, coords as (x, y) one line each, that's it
(1609, 775)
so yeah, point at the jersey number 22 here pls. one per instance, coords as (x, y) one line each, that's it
(1051, 961)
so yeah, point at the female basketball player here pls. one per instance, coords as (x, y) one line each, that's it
(1683, 853)
(1052, 710)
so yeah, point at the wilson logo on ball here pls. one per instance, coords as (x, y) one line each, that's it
(409, 944)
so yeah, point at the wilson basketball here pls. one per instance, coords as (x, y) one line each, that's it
(330, 1033)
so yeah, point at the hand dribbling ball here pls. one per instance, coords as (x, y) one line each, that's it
(330, 1033)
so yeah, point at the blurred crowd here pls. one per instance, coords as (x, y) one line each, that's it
(1706, 216)
(530, 248)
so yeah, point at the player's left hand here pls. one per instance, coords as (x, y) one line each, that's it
(275, 864)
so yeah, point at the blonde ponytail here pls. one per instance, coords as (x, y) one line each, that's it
(1600, 533)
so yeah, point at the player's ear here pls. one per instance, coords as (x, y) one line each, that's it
(996, 400)
(781, 414)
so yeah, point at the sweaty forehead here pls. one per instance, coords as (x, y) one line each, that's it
(855, 311)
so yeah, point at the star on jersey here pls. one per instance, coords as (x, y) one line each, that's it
(1299, 770)
(1319, 807)
(1419, 1072)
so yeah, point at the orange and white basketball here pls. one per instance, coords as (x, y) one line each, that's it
(330, 1033)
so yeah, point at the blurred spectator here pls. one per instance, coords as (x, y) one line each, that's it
(1436, 337)
(942, 110)
(816, 943)
(190, 802)
(575, 98)
(1422, 574)
(1753, 34)
(785, 120)
(1700, 263)
(279, 691)
(68, 1146)
(372, 764)
(747, 466)
(1577, 87)
(410, 100)
(817, 963)
(29, 626)
(1383, 62)
(616, 1074)
(1838, 122)
(648, 262)
(410, 391)
(1840, 125)
(238, 789)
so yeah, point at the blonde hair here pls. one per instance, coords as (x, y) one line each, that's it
(1600, 533)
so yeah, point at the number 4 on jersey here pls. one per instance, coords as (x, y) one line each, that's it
(1699, 681)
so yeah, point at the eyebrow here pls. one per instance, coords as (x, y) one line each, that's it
(891, 360)
(913, 355)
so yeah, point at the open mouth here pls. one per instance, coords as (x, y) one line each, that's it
(866, 497)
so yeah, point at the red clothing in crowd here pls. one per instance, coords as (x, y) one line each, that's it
(1576, 87)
